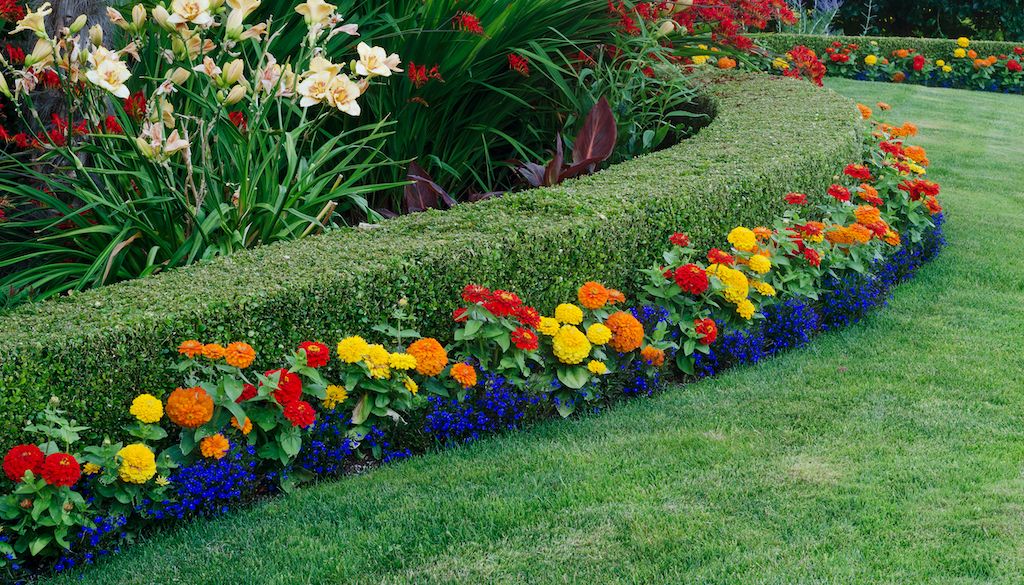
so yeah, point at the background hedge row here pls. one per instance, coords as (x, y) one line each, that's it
(96, 350)
(931, 48)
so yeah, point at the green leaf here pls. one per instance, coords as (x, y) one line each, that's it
(574, 377)
(37, 544)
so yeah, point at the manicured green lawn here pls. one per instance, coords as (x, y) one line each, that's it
(890, 452)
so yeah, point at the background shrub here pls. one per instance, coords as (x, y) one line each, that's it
(98, 349)
(940, 48)
(987, 19)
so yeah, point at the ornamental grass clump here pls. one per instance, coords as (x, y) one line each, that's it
(182, 136)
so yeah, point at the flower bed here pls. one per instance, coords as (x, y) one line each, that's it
(769, 135)
(232, 434)
(959, 63)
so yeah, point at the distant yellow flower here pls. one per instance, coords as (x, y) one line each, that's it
(569, 314)
(411, 385)
(162, 481)
(402, 361)
(352, 349)
(760, 263)
(963, 42)
(700, 59)
(745, 309)
(940, 62)
(548, 326)
(764, 288)
(780, 64)
(743, 239)
(599, 334)
(147, 408)
(959, 53)
(871, 60)
(335, 396)
(946, 68)
(597, 368)
(91, 469)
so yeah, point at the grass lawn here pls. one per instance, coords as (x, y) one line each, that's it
(890, 452)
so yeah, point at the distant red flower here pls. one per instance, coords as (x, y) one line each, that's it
(679, 239)
(112, 126)
(859, 172)
(918, 63)
(839, 192)
(716, 256)
(812, 256)
(459, 315)
(707, 329)
(50, 79)
(317, 354)
(527, 315)
(15, 55)
(300, 414)
(467, 22)
(519, 64)
(795, 199)
(474, 293)
(525, 339)
(135, 106)
(22, 458)
(1018, 50)
(11, 11)
(419, 75)
(61, 469)
(1013, 66)
(691, 279)
(502, 303)
(238, 119)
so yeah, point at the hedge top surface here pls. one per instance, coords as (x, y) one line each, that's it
(931, 48)
(759, 119)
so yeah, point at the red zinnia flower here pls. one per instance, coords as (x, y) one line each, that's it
(707, 329)
(317, 354)
(459, 315)
(1013, 65)
(22, 458)
(501, 303)
(692, 279)
(467, 22)
(289, 386)
(839, 192)
(795, 198)
(300, 414)
(716, 256)
(812, 256)
(474, 293)
(859, 172)
(519, 64)
(527, 315)
(61, 469)
(918, 62)
(525, 339)
(679, 239)
(248, 391)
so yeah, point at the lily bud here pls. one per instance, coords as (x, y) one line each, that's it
(180, 75)
(138, 17)
(215, 5)
(233, 72)
(96, 35)
(116, 18)
(78, 24)
(4, 88)
(233, 27)
(160, 16)
(666, 28)
(235, 95)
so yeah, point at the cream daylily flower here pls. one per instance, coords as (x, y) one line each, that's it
(254, 32)
(99, 55)
(41, 56)
(315, 88)
(208, 67)
(115, 17)
(351, 30)
(33, 21)
(342, 94)
(267, 78)
(246, 7)
(196, 12)
(110, 75)
(315, 12)
(153, 144)
(375, 61)
(320, 65)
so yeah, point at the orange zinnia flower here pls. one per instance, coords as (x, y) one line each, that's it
(592, 295)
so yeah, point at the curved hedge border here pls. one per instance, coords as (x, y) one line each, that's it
(770, 135)
(930, 48)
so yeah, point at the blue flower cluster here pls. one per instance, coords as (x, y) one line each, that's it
(104, 538)
(328, 447)
(501, 407)
(209, 487)
(789, 325)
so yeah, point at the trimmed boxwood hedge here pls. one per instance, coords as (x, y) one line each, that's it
(931, 48)
(96, 350)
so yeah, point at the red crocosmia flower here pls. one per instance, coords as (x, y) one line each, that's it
(22, 458)
(238, 119)
(248, 391)
(519, 64)
(691, 279)
(21, 140)
(859, 172)
(716, 256)
(795, 199)
(317, 354)
(679, 239)
(502, 303)
(4, 136)
(135, 105)
(289, 386)
(3, 216)
(459, 315)
(10, 10)
(707, 329)
(528, 316)
(525, 339)
(839, 192)
(300, 414)
(1013, 66)
(419, 75)
(812, 256)
(111, 126)
(50, 79)
(61, 469)
(474, 293)
(467, 22)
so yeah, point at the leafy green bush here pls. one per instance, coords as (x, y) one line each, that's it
(99, 348)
